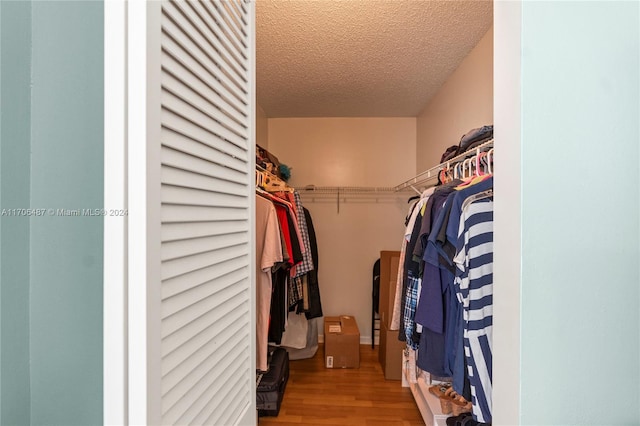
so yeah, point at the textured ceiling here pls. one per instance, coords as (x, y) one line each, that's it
(360, 58)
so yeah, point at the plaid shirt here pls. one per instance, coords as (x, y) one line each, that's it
(413, 284)
(295, 291)
(307, 262)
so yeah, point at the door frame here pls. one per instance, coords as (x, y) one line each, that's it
(131, 315)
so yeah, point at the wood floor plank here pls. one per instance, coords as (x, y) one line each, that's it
(325, 397)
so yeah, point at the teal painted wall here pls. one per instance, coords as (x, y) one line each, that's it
(51, 156)
(580, 326)
(15, 134)
(66, 252)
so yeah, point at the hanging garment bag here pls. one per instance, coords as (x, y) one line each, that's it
(271, 387)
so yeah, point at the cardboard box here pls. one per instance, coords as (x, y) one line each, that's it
(389, 264)
(390, 354)
(341, 342)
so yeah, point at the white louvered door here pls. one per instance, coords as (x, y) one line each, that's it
(180, 156)
(207, 162)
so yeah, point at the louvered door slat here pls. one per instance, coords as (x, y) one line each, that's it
(171, 213)
(231, 399)
(193, 394)
(207, 395)
(198, 44)
(231, 49)
(182, 126)
(189, 247)
(202, 21)
(181, 301)
(177, 380)
(182, 161)
(199, 84)
(210, 332)
(233, 18)
(225, 24)
(204, 332)
(200, 96)
(237, 14)
(186, 231)
(195, 197)
(194, 43)
(218, 417)
(174, 102)
(244, 7)
(183, 143)
(184, 265)
(183, 318)
(206, 191)
(186, 178)
(200, 65)
(195, 278)
(203, 406)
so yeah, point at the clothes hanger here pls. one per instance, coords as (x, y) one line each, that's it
(464, 169)
(466, 165)
(274, 184)
(490, 160)
(477, 197)
(452, 173)
(479, 159)
(442, 176)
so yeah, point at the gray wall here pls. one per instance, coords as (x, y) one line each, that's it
(15, 134)
(575, 178)
(51, 157)
(580, 248)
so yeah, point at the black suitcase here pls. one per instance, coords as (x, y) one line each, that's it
(272, 384)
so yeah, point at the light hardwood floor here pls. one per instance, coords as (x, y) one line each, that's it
(319, 396)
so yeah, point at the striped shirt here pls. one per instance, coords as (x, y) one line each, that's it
(474, 290)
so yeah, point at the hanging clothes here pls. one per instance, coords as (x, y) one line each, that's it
(474, 289)
(448, 257)
(315, 303)
(268, 255)
(434, 297)
(286, 271)
(280, 300)
(401, 288)
(275, 310)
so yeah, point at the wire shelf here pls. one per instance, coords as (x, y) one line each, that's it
(432, 173)
(369, 190)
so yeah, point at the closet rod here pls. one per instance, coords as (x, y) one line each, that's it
(369, 190)
(432, 173)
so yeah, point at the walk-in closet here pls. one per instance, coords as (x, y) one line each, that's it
(370, 110)
(378, 92)
(137, 136)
